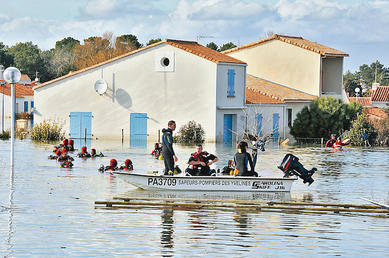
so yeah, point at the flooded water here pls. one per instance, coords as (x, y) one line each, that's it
(47, 211)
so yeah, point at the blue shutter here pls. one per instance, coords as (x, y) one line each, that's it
(79, 121)
(276, 126)
(32, 103)
(138, 129)
(231, 83)
(25, 106)
(227, 130)
(259, 125)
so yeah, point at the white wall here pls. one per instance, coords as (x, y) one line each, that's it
(134, 86)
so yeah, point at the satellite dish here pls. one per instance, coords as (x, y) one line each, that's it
(101, 86)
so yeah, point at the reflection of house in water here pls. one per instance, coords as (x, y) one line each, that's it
(167, 228)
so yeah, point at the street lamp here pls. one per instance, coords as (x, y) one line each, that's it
(356, 93)
(12, 75)
(2, 103)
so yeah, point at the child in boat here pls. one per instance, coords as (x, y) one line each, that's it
(94, 154)
(127, 165)
(84, 153)
(112, 166)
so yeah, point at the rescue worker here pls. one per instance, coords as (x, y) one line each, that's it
(84, 153)
(57, 154)
(64, 156)
(71, 145)
(112, 166)
(127, 165)
(157, 150)
(242, 159)
(200, 162)
(94, 154)
(331, 142)
(169, 157)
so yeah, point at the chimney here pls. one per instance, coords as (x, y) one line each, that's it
(374, 86)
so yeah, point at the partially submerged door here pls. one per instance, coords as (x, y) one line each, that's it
(80, 125)
(138, 129)
(227, 129)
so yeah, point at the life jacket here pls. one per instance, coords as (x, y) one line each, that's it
(127, 165)
(199, 157)
(337, 144)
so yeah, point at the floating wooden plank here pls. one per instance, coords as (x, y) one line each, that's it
(241, 204)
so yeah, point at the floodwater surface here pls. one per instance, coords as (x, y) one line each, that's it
(48, 211)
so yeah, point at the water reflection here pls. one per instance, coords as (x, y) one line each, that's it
(167, 231)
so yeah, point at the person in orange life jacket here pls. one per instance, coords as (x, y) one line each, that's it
(57, 154)
(71, 145)
(200, 162)
(242, 159)
(169, 157)
(84, 153)
(127, 165)
(338, 144)
(331, 142)
(64, 157)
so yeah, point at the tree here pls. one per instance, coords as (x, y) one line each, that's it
(153, 41)
(28, 59)
(359, 128)
(99, 49)
(130, 40)
(376, 72)
(67, 45)
(227, 46)
(213, 46)
(350, 85)
(6, 59)
(323, 117)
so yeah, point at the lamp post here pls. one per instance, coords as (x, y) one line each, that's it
(12, 75)
(2, 103)
(356, 93)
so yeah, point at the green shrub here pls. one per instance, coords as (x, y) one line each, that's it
(191, 133)
(48, 130)
(5, 135)
(359, 128)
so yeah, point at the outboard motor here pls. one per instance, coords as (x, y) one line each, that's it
(291, 166)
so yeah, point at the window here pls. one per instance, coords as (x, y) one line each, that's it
(231, 83)
(289, 116)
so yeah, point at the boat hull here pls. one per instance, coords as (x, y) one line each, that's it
(207, 183)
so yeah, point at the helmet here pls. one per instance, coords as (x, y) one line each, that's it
(113, 163)
(71, 142)
(156, 145)
(58, 153)
(333, 136)
(83, 150)
(65, 142)
(128, 162)
(64, 151)
(93, 151)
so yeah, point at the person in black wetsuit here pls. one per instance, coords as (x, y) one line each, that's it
(169, 157)
(200, 162)
(242, 159)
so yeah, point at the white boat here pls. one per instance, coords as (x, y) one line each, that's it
(206, 183)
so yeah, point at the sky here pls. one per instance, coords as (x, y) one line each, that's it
(357, 27)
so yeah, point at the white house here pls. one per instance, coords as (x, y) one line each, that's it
(134, 95)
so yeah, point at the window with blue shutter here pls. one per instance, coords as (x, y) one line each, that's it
(231, 83)
(25, 106)
(32, 103)
(276, 127)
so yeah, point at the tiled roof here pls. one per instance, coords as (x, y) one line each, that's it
(364, 101)
(21, 90)
(24, 77)
(205, 52)
(276, 91)
(189, 46)
(297, 41)
(254, 97)
(381, 94)
(376, 112)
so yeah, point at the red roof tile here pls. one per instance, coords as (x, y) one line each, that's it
(297, 41)
(189, 46)
(21, 90)
(376, 112)
(254, 97)
(381, 94)
(364, 101)
(276, 91)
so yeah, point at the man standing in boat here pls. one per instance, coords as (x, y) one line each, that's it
(200, 162)
(169, 157)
